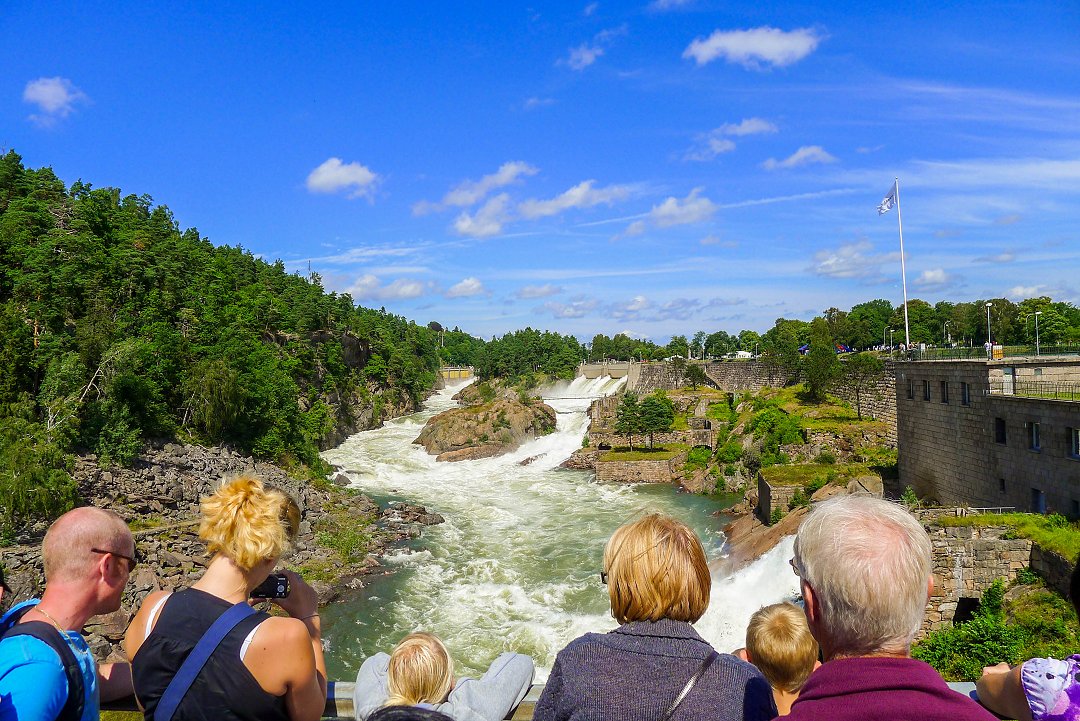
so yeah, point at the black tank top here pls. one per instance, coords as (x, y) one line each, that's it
(225, 690)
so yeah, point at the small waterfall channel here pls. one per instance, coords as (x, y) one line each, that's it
(516, 564)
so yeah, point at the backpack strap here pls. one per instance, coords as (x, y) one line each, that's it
(49, 635)
(193, 664)
(713, 655)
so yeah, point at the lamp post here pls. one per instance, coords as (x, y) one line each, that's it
(1037, 314)
(989, 343)
(891, 347)
(944, 329)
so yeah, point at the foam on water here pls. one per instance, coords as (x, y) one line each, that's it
(515, 565)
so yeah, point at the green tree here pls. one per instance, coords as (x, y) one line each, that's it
(859, 376)
(628, 417)
(695, 376)
(656, 414)
(822, 366)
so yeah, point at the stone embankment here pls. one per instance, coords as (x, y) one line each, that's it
(486, 430)
(342, 532)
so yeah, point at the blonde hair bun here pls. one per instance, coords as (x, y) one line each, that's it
(248, 522)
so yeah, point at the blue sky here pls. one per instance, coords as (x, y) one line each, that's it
(651, 168)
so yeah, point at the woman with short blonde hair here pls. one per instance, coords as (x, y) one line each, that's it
(654, 663)
(266, 667)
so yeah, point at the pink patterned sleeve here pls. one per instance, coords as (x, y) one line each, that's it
(1052, 688)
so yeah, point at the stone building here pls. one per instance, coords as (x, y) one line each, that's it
(1002, 433)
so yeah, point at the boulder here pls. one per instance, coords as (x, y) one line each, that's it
(485, 430)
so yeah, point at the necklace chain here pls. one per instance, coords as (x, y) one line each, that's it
(42, 611)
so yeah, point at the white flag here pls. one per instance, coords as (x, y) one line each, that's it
(888, 202)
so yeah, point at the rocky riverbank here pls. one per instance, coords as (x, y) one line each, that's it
(342, 532)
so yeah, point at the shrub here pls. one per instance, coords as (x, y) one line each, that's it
(908, 497)
(729, 452)
(799, 500)
(826, 457)
(585, 441)
(1026, 577)
(776, 517)
(815, 485)
(729, 469)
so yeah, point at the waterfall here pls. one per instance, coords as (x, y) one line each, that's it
(516, 564)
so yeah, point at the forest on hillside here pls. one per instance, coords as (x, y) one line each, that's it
(117, 326)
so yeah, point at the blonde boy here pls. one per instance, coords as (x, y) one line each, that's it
(779, 643)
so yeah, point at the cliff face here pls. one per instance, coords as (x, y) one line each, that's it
(491, 429)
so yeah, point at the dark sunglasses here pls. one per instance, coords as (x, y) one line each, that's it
(603, 577)
(132, 561)
(3, 584)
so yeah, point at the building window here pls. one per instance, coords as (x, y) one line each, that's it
(1074, 442)
(1038, 372)
(1001, 483)
(965, 394)
(1033, 436)
(926, 390)
(944, 391)
(999, 430)
(1075, 508)
(910, 389)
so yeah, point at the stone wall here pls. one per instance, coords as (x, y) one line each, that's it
(951, 450)
(966, 560)
(640, 471)
(772, 496)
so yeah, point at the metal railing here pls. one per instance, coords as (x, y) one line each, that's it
(979, 352)
(1049, 390)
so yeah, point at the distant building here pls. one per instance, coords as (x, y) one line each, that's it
(992, 433)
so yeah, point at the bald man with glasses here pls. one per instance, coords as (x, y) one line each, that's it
(47, 671)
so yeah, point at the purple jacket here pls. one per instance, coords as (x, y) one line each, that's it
(898, 689)
(634, 673)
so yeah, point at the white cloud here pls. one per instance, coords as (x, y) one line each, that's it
(583, 56)
(368, 287)
(635, 228)
(575, 309)
(470, 192)
(749, 126)
(806, 155)
(55, 98)
(537, 102)
(713, 239)
(466, 289)
(538, 291)
(694, 208)
(590, 9)
(933, 279)
(582, 195)
(716, 141)
(1011, 219)
(755, 48)
(334, 176)
(852, 260)
(487, 221)
(1006, 257)
(662, 5)
(1023, 292)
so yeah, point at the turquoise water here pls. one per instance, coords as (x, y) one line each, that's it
(516, 565)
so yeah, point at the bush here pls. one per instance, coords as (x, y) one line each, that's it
(698, 456)
(908, 497)
(585, 441)
(826, 457)
(1026, 577)
(776, 517)
(799, 500)
(815, 485)
(729, 452)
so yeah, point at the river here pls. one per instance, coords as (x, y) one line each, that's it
(516, 564)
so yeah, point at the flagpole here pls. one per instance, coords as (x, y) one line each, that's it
(903, 267)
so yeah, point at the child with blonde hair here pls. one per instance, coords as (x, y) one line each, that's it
(419, 672)
(779, 643)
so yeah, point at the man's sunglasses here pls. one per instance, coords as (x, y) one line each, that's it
(133, 561)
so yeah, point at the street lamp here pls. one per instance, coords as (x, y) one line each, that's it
(891, 346)
(1037, 314)
(883, 332)
(944, 327)
(989, 343)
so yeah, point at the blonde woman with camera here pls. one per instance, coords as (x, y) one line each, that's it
(264, 667)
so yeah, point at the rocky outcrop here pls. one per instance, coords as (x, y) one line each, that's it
(342, 532)
(486, 430)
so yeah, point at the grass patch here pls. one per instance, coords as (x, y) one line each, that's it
(349, 537)
(145, 523)
(803, 474)
(679, 423)
(664, 453)
(1052, 532)
(721, 412)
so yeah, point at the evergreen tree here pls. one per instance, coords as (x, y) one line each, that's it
(628, 417)
(656, 414)
(822, 366)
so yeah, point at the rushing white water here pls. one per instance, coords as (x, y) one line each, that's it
(516, 564)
